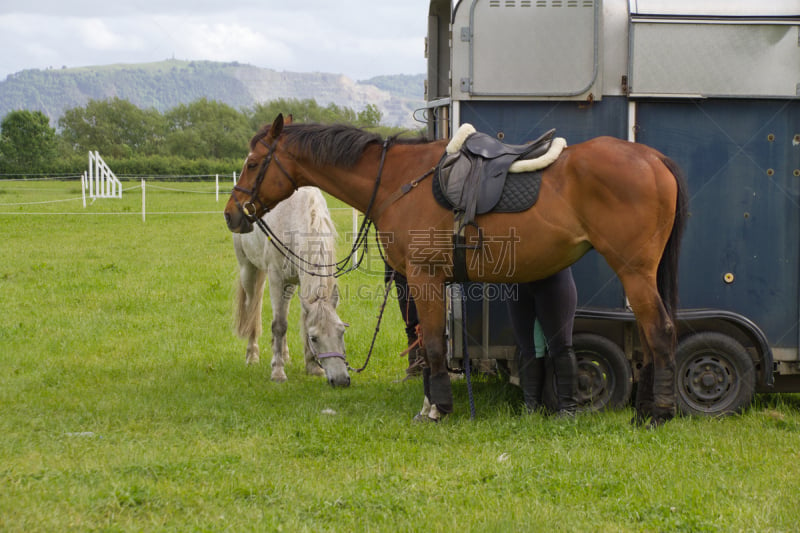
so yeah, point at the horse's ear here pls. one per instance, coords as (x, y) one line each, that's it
(277, 126)
(335, 296)
(288, 120)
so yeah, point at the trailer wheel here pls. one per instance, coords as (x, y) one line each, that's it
(604, 375)
(714, 375)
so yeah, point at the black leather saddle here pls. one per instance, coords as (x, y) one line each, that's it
(473, 179)
(476, 180)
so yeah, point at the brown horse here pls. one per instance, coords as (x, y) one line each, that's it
(625, 200)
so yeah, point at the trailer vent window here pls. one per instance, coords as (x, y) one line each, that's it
(542, 3)
(522, 3)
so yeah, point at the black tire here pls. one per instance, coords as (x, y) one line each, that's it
(714, 375)
(605, 379)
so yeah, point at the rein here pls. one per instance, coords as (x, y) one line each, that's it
(378, 324)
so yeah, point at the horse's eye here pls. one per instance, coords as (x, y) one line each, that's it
(252, 166)
(313, 339)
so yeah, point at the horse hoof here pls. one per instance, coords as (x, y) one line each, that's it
(279, 377)
(424, 419)
(649, 421)
(662, 414)
(657, 421)
(566, 414)
(429, 413)
(252, 360)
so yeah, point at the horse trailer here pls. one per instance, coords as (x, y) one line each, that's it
(715, 86)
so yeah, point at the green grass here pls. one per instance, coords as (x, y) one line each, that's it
(126, 406)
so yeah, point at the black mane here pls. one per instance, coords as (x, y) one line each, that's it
(337, 145)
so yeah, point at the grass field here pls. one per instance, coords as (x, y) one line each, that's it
(126, 406)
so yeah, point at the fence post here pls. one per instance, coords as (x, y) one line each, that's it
(83, 188)
(91, 174)
(216, 179)
(143, 199)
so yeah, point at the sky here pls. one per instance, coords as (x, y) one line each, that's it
(358, 38)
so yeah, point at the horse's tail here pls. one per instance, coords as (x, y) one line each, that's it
(247, 315)
(667, 274)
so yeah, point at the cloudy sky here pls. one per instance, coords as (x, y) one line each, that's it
(359, 38)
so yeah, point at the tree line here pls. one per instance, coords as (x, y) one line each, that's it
(199, 138)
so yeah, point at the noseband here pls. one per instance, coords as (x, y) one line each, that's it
(324, 355)
(249, 208)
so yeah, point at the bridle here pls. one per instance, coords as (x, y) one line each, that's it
(324, 355)
(249, 208)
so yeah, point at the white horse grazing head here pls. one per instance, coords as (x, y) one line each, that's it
(325, 337)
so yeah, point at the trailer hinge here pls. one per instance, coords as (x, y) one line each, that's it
(466, 85)
(466, 34)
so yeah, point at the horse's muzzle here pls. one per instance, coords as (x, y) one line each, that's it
(238, 223)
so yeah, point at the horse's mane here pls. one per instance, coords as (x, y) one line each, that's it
(339, 145)
(318, 241)
(321, 223)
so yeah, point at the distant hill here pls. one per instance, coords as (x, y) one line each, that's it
(166, 84)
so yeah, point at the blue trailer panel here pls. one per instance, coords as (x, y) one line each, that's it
(740, 251)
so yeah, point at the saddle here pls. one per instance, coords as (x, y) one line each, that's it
(473, 177)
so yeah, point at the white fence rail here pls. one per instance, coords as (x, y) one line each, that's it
(116, 190)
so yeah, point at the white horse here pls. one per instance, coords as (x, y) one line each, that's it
(303, 223)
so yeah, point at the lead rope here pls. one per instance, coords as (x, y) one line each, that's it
(467, 365)
(378, 325)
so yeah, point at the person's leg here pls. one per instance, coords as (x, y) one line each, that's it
(556, 300)
(522, 314)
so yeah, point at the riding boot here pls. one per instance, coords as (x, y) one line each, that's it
(566, 372)
(531, 380)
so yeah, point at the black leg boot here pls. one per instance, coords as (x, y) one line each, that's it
(644, 396)
(422, 416)
(531, 380)
(663, 396)
(566, 371)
